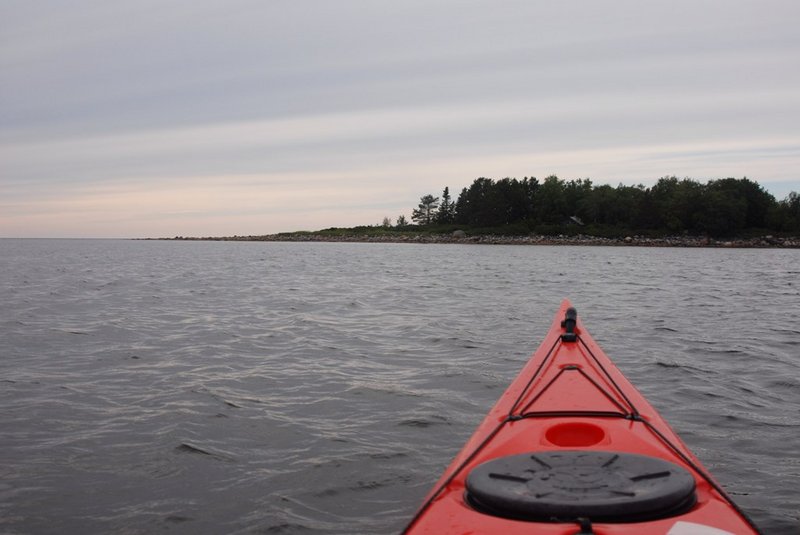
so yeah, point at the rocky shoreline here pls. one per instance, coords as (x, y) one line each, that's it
(460, 238)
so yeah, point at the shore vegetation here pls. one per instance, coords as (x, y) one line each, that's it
(673, 211)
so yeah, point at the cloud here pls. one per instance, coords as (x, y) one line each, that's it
(236, 204)
(141, 112)
(351, 142)
(271, 202)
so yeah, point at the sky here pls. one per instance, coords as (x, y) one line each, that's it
(145, 118)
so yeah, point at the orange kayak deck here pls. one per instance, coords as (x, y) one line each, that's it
(572, 447)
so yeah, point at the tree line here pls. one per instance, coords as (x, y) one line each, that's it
(724, 207)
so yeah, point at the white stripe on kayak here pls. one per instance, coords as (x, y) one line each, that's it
(690, 528)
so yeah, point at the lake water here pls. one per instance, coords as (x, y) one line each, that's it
(219, 387)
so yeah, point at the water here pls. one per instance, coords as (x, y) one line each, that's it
(207, 387)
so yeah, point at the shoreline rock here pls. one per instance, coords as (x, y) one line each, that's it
(762, 242)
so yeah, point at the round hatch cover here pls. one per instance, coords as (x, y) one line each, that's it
(603, 486)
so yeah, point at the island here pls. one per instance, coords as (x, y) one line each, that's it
(674, 212)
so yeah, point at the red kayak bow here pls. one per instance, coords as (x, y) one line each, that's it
(572, 447)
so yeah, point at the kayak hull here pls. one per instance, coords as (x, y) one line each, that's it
(571, 401)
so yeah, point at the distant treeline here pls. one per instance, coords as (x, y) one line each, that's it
(718, 208)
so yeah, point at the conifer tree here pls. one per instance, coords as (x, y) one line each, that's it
(425, 212)
(447, 209)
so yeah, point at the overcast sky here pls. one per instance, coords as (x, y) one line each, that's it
(134, 118)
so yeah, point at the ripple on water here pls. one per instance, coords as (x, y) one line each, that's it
(322, 388)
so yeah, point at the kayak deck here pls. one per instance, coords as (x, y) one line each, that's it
(572, 447)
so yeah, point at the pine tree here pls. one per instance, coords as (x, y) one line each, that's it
(425, 212)
(447, 209)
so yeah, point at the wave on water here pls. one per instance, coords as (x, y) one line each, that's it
(323, 388)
